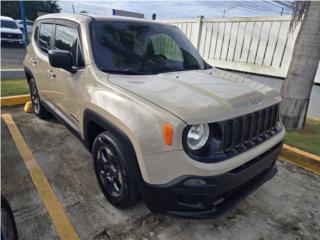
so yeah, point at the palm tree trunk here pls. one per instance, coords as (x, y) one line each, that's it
(297, 87)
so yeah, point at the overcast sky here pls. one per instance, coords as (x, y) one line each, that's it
(182, 9)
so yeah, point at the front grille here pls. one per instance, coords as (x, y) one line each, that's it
(11, 35)
(249, 130)
(234, 136)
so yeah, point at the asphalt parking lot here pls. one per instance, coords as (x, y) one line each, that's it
(287, 207)
(12, 57)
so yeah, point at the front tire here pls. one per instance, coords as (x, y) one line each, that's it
(111, 165)
(8, 224)
(38, 108)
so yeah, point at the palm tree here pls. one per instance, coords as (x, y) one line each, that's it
(297, 87)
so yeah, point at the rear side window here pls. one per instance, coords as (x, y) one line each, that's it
(66, 38)
(45, 36)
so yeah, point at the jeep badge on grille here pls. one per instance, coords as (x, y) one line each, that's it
(255, 103)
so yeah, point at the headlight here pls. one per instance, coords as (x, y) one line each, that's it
(198, 136)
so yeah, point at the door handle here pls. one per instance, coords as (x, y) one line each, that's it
(52, 74)
(34, 61)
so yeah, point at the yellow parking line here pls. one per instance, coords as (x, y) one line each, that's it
(59, 218)
(14, 100)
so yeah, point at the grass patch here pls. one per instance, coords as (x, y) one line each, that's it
(14, 87)
(307, 139)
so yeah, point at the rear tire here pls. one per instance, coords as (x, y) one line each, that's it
(111, 165)
(38, 108)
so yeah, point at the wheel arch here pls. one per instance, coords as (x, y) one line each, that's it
(94, 124)
(28, 73)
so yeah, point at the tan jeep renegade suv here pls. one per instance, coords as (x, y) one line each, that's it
(160, 122)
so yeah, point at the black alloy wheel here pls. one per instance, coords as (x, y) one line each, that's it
(111, 165)
(34, 96)
(38, 108)
(109, 171)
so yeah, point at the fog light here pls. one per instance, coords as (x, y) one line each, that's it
(278, 126)
(195, 182)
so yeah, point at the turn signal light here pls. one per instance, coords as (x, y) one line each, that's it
(167, 134)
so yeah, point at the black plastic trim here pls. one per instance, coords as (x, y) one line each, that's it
(27, 72)
(90, 116)
(62, 121)
(231, 186)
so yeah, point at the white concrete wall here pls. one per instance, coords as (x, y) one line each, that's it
(260, 45)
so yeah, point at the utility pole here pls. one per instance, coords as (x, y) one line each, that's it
(73, 8)
(23, 17)
(224, 11)
(154, 16)
(282, 11)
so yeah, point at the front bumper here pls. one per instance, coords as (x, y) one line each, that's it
(215, 195)
(12, 41)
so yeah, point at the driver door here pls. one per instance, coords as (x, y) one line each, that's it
(65, 86)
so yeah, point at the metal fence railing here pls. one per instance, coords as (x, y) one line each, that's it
(94, 8)
(262, 45)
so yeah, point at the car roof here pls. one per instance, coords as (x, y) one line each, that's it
(79, 18)
(6, 18)
(20, 20)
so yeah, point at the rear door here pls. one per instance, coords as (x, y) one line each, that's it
(38, 56)
(65, 86)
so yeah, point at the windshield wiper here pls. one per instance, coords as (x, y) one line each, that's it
(125, 71)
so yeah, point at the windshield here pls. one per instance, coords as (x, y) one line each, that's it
(142, 48)
(8, 24)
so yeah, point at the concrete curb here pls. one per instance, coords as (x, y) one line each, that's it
(14, 100)
(315, 118)
(301, 158)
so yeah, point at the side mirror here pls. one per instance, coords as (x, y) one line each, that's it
(61, 59)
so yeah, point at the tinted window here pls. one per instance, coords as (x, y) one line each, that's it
(66, 38)
(8, 24)
(45, 36)
(36, 33)
(142, 48)
(164, 45)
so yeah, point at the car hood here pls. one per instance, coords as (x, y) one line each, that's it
(200, 95)
(10, 30)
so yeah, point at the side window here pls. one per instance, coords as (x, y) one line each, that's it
(35, 35)
(45, 36)
(66, 38)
